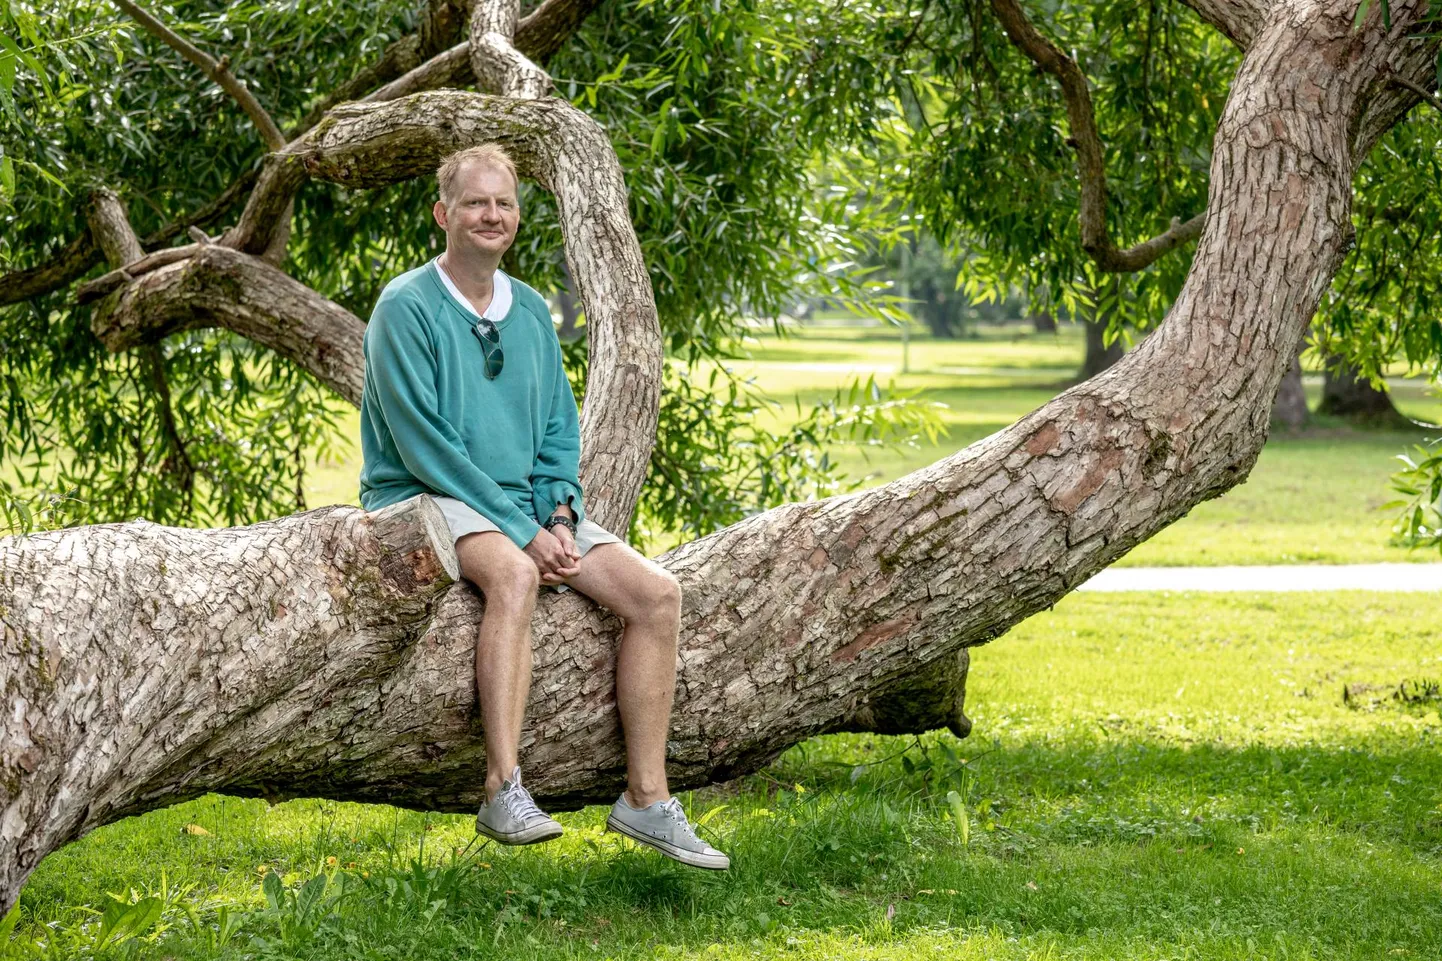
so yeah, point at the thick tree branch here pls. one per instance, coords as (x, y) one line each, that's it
(217, 70)
(220, 287)
(1237, 19)
(273, 627)
(499, 67)
(1090, 157)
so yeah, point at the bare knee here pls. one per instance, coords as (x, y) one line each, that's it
(513, 585)
(501, 571)
(658, 599)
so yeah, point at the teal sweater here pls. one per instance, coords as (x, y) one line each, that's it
(431, 423)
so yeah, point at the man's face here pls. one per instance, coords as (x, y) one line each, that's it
(484, 211)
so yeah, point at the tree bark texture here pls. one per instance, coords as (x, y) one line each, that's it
(328, 654)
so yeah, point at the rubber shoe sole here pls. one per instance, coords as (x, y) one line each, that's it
(535, 835)
(690, 858)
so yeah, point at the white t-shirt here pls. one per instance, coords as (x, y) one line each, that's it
(500, 294)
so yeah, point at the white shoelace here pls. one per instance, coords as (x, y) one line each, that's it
(672, 807)
(519, 803)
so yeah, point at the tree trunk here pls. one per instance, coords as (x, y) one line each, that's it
(1290, 409)
(327, 654)
(1099, 354)
(1044, 322)
(1347, 395)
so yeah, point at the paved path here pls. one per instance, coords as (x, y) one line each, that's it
(1295, 577)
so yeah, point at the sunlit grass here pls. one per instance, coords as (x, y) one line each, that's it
(1151, 776)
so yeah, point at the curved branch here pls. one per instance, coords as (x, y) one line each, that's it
(1090, 157)
(1423, 94)
(1239, 20)
(217, 70)
(220, 287)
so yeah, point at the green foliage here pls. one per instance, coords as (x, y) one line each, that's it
(1419, 511)
(1386, 301)
(991, 166)
(727, 464)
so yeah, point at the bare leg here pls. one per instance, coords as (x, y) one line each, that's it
(509, 580)
(648, 599)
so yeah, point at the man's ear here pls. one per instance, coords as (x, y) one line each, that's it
(439, 212)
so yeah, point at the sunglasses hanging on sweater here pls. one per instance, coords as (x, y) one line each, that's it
(490, 338)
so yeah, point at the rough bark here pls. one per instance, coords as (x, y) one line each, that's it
(220, 287)
(322, 655)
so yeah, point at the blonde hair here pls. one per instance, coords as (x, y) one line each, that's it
(489, 154)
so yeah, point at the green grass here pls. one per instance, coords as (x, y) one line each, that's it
(1152, 776)
(1313, 498)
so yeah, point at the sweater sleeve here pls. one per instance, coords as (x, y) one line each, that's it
(555, 477)
(401, 365)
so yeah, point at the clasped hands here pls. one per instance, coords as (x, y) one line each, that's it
(554, 552)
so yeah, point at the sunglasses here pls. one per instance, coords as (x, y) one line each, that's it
(490, 339)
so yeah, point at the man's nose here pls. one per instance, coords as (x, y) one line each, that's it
(491, 212)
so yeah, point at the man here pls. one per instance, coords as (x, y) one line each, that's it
(466, 400)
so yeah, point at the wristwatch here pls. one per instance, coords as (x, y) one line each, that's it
(560, 520)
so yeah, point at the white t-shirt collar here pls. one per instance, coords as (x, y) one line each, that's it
(500, 294)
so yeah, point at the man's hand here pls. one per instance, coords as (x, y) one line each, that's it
(554, 554)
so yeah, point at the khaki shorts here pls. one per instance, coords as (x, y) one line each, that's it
(462, 520)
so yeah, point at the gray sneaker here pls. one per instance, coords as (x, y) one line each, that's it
(514, 818)
(663, 825)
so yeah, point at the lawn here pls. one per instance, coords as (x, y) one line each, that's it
(1151, 776)
(1312, 498)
